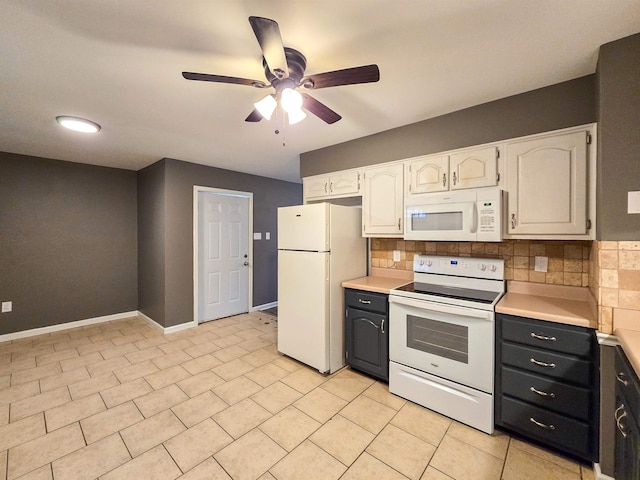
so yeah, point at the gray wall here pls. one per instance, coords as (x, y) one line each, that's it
(151, 241)
(618, 93)
(68, 235)
(557, 106)
(177, 262)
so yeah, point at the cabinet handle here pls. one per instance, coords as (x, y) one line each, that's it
(619, 420)
(331, 187)
(542, 364)
(382, 331)
(325, 187)
(399, 220)
(454, 178)
(615, 414)
(541, 393)
(542, 337)
(541, 425)
(444, 179)
(620, 378)
(513, 220)
(366, 302)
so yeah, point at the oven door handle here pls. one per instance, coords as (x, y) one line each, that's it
(451, 310)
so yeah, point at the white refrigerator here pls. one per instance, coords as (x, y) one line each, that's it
(319, 246)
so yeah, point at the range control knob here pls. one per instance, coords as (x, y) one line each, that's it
(421, 262)
(429, 263)
(482, 266)
(493, 268)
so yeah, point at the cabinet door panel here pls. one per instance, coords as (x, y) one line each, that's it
(316, 186)
(344, 183)
(547, 185)
(474, 168)
(367, 342)
(383, 200)
(428, 174)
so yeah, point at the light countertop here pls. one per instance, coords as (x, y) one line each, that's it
(628, 334)
(554, 303)
(380, 281)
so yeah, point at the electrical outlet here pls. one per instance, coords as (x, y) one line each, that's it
(7, 307)
(396, 255)
(542, 264)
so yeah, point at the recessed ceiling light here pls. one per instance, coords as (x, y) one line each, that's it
(78, 124)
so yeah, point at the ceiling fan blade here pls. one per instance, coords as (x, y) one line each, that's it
(268, 34)
(320, 110)
(348, 76)
(206, 77)
(254, 116)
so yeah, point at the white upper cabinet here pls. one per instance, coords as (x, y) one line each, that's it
(383, 201)
(474, 168)
(427, 174)
(469, 168)
(338, 184)
(548, 186)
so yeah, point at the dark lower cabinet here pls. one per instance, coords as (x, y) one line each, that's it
(547, 384)
(366, 332)
(627, 453)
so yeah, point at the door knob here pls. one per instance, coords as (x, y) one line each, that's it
(246, 264)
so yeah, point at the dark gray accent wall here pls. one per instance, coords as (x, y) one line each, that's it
(178, 181)
(151, 241)
(557, 106)
(618, 95)
(68, 235)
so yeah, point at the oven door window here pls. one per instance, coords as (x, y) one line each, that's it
(442, 339)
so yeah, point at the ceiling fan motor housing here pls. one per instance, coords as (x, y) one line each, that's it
(296, 62)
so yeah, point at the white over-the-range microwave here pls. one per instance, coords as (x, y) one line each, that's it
(461, 215)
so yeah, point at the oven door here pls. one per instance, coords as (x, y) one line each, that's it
(451, 342)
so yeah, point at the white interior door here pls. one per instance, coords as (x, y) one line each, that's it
(223, 255)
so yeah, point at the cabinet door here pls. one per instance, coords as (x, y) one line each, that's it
(474, 168)
(367, 346)
(626, 465)
(317, 186)
(383, 201)
(547, 185)
(344, 183)
(428, 174)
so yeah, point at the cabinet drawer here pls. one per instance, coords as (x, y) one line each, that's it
(547, 335)
(547, 393)
(372, 302)
(542, 362)
(627, 382)
(557, 430)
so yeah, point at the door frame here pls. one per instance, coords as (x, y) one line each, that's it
(197, 189)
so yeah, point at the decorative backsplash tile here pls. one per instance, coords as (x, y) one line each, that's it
(568, 261)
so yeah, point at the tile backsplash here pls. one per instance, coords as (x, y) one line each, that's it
(568, 261)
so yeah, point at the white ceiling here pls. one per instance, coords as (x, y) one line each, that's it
(119, 63)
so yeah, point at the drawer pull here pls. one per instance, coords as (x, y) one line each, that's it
(621, 379)
(542, 364)
(366, 302)
(543, 337)
(541, 393)
(541, 425)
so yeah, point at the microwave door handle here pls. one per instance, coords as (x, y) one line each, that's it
(474, 217)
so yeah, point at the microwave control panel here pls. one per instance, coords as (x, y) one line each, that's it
(489, 210)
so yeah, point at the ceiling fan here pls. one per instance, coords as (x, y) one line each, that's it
(284, 70)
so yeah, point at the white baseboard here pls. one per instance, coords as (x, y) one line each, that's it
(264, 306)
(598, 473)
(65, 326)
(166, 330)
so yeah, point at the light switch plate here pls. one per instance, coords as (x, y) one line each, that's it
(7, 307)
(542, 264)
(633, 202)
(267, 236)
(257, 236)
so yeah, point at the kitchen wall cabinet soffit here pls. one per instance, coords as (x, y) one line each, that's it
(549, 182)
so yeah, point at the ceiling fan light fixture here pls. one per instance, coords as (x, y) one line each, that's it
(291, 100)
(78, 124)
(266, 106)
(296, 115)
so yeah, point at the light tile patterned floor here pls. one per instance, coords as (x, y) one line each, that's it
(120, 400)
